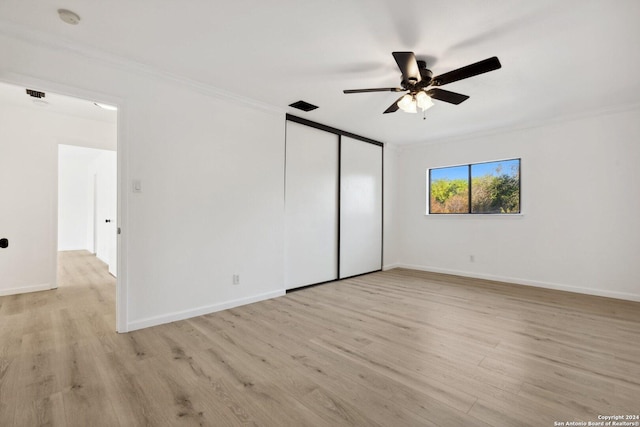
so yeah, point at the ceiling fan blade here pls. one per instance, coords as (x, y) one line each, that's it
(408, 65)
(382, 89)
(480, 67)
(446, 96)
(393, 107)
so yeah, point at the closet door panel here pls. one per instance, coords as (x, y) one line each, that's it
(360, 207)
(311, 206)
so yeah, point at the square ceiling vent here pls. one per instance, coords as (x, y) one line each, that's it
(303, 105)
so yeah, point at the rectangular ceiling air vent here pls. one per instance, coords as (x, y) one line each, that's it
(35, 93)
(304, 106)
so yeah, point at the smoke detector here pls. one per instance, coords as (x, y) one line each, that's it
(68, 16)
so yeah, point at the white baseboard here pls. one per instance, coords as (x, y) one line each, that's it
(518, 281)
(391, 266)
(27, 289)
(199, 311)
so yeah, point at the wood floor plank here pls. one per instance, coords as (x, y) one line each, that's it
(293, 360)
(48, 411)
(392, 348)
(392, 395)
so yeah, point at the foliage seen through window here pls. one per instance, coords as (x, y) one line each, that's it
(480, 188)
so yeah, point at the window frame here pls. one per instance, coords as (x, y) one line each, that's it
(470, 186)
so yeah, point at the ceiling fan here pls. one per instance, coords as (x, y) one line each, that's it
(421, 86)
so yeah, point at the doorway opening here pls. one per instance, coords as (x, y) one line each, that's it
(60, 192)
(87, 202)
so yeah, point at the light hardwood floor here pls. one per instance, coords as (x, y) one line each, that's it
(397, 348)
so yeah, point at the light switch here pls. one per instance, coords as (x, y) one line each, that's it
(137, 186)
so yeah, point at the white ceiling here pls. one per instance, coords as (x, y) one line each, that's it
(16, 96)
(560, 58)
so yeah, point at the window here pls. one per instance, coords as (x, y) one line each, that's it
(479, 188)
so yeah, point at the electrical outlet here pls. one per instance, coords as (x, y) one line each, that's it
(236, 279)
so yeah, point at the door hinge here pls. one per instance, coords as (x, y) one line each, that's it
(119, 230)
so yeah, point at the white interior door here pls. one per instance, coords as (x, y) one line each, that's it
(104, 168)
(311, 206)
(94, 214)
(112, 229)
(360, 207)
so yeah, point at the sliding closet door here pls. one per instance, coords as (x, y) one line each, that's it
(360, 207)
(311, 206)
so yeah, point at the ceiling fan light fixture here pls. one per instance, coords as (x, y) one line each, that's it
(408, 104)
(424, 101)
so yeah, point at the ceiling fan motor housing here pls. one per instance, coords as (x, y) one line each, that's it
(426, 74)
(413, 85)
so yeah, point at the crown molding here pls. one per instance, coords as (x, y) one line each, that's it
(533, 124)
(43, 40)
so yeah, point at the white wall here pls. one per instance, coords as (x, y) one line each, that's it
(212, 174)
(212, 204)
(29, 141)
(391, 225)
(580, 201)
(75, 198)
